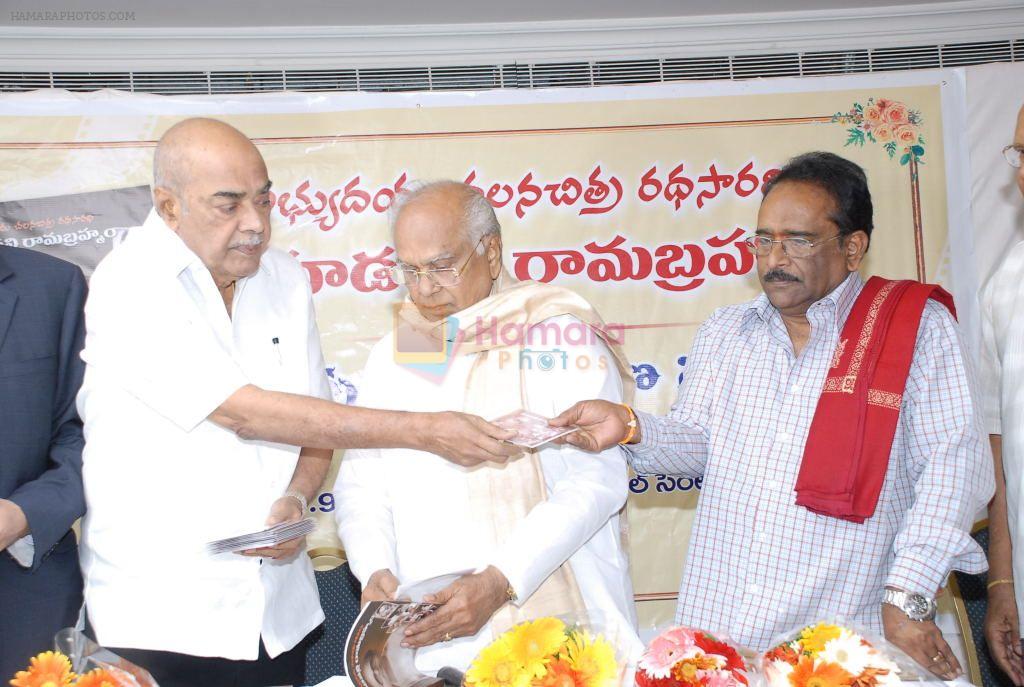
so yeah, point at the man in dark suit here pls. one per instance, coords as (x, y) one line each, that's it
(41, 336)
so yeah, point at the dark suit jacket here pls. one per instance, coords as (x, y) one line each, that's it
(42, 330)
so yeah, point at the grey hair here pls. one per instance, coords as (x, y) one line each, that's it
(478, 218)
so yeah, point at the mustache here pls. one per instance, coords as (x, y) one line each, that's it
(254, 240)
(778, 274)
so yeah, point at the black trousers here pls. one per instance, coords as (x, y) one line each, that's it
(34, 605)
(183, 670)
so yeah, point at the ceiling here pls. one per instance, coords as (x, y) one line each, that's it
(322, 13)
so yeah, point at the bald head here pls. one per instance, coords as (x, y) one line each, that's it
(210, 186)
(187, 142)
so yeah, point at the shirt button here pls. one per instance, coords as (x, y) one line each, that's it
(772, 484)
(795, 388)
(753, 588)
(784, 438)
(762, 537)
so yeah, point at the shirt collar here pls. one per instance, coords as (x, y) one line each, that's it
(172, 251)
(841, 299)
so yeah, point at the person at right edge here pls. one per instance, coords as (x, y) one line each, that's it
(1003, 373)
(856, 396)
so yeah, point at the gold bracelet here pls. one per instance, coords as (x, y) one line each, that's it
(631, 424)
(996, 583)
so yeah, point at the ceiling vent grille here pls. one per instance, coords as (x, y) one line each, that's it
(533, 75)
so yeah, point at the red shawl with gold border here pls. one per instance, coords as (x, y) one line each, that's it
(847, 451)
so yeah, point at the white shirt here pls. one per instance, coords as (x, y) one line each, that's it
(23, 550)
(160, 479)
(1002, 359)
(407, 510)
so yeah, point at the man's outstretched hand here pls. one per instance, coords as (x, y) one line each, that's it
(602, 424)
(467, 440)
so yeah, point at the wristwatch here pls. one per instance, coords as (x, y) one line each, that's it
(918, 607)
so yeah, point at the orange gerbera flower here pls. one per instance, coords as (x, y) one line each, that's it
(869, 678)
(97, 678)
(559, 673)
(783, 652)
(686, 670)
(807, 674)
(48, 669)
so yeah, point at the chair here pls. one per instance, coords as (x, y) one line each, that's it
(970, 599)
(339, 597)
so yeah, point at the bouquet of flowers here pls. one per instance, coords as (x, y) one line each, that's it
(95, 666)
(546, 653)
(54, 668)
(681, 657)
(831, 655)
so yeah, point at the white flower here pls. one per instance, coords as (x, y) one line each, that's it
(891, 678)
(777, 673)
(848, 652)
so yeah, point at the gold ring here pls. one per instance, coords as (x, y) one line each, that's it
(447, 636)
(936, 658)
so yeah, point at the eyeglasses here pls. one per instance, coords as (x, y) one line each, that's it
(1013, 153)
(445, 277)
(761, 246)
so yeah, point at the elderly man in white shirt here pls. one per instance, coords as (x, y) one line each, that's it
(1003, 370)
(541, 533)
(203, 377)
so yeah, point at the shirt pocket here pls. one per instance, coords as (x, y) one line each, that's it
(279, 363)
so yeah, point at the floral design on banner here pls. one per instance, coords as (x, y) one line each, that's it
(889, 122)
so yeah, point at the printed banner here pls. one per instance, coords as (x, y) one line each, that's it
(78, 227)
(637, 197)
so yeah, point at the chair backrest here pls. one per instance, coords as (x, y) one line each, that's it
(339, 597)
(970, 597)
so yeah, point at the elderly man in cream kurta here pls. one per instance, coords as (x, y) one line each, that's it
(542, 534)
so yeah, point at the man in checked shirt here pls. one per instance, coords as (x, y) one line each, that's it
(836, 426)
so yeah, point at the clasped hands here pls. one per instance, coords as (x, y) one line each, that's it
(465, 605)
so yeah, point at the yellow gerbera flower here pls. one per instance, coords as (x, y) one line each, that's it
(813, 639)
(496, 667)
(593, 659)
(48, 669)
(534, 644)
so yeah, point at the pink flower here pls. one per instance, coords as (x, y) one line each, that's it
(665, 651)
(680, 635)
(897, 114)
(884, 133)
(873, 115)
(907, 135)
(721, 678)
